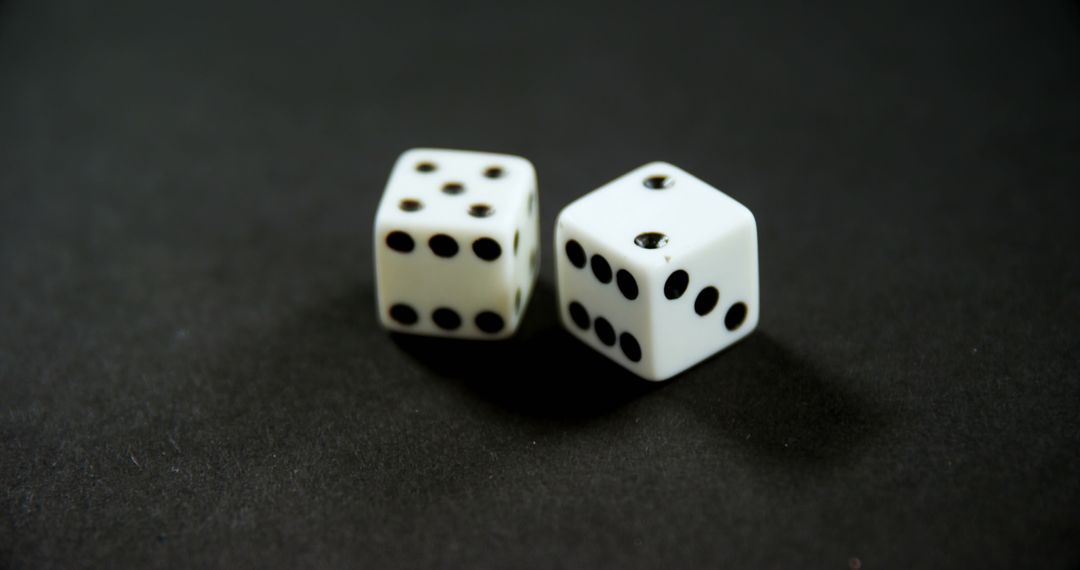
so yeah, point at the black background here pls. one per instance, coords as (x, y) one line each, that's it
(192, 372)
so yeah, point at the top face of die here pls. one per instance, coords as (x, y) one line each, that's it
(457, 190)
(656, 213)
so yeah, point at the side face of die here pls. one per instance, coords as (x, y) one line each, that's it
(657, 270)
(457, 243)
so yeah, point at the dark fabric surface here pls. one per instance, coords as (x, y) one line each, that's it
(191, 373)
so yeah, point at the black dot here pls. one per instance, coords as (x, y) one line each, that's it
(604, 331)
(579, 315)
(403, 314)
(443, 245)
(658, 182)
(410, 205)
(630, 347)
(706, 300)
(446, 318)
(735, 316)
(600, 268)
(676, 284)
(486, 249)
(575, 253)
(627, 284)
(493, 172)
(517, 300)
(400, 241)
(426, 166)
(481, 210)
(489, 322)
(651, 240)
(453, 188)
(534, 261)
(517, 236)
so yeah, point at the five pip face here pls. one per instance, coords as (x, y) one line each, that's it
(657, 270)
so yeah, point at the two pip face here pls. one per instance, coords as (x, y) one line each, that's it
(657, 270)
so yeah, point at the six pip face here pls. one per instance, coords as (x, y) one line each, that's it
(457, 243)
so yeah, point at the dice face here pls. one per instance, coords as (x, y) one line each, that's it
(457, 243)
(657, 270)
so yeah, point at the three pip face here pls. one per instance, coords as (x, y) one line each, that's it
(657, 270)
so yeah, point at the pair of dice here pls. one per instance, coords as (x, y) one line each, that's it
(657, 270)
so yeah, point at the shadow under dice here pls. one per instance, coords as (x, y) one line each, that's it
(457, 243)
(657, 270)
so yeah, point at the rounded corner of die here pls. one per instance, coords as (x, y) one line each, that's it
(559, 224)
(564, 219)
(658, 164)
(386, 323)
(752, 321)
(658, 169)
(413, 152)
(511, 331)
(383, 224)
(749, 217)
(653, 378)
(564, 320)
(524, 163)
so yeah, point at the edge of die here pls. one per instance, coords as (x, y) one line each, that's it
(420, 150)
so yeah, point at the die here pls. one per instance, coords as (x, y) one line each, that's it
(657, 270)
(457, 243)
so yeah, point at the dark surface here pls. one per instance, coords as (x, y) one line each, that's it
(191, 372)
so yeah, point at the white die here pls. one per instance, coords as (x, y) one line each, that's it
(657, 270)
(457, 243)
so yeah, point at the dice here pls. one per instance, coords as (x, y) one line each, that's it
(657, 270)
(457, 243)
